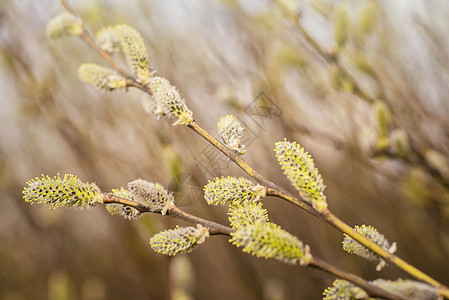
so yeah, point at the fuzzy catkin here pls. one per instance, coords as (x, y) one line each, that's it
(268, 240)
(125, 211)
(59, 192)
(299, 168)
(179, 240)
(101, 77)
(168, 96)
(133, 45)
(232, 190)
(64, 24)
(247, 213)
(152, 195)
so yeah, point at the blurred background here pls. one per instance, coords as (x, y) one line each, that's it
(362, 85)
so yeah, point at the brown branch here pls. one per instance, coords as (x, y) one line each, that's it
(214, 228)
(368, 287)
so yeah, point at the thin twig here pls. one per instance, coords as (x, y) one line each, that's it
(368, 287)
(218, 229)
(214, 228)
(238, 160)
(418, 274)
(333, 58)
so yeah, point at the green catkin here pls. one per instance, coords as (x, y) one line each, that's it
(344, 290)
(354, 247)
(231, 131)
(108, 40)
(101, 77)
(68, 191)
(232, 190)
(133, 45)
(179, 240)
(64, 24)
(246, 213)
(268, 240)
(299, 168)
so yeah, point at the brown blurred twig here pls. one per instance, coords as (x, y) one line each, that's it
(417, 157)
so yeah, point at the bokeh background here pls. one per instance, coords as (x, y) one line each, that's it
(282, 80)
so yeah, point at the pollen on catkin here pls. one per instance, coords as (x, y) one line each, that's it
(136, 53)
(62, 192)
(101, 77)
(125, 211)
(231, 131)
(179, 240)
(268, 240)
(352, 246)
(246, 213)
(108, 40)
(64, 24)
(232, 190)
(344, 290)
(168, 96)
(299, 168)
(152, 195)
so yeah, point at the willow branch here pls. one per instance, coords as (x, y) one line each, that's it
(272, 188)
(174, 212)
(418, 274)
(238, 160)
(85, 36)
(214, 228)
(218, 229)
